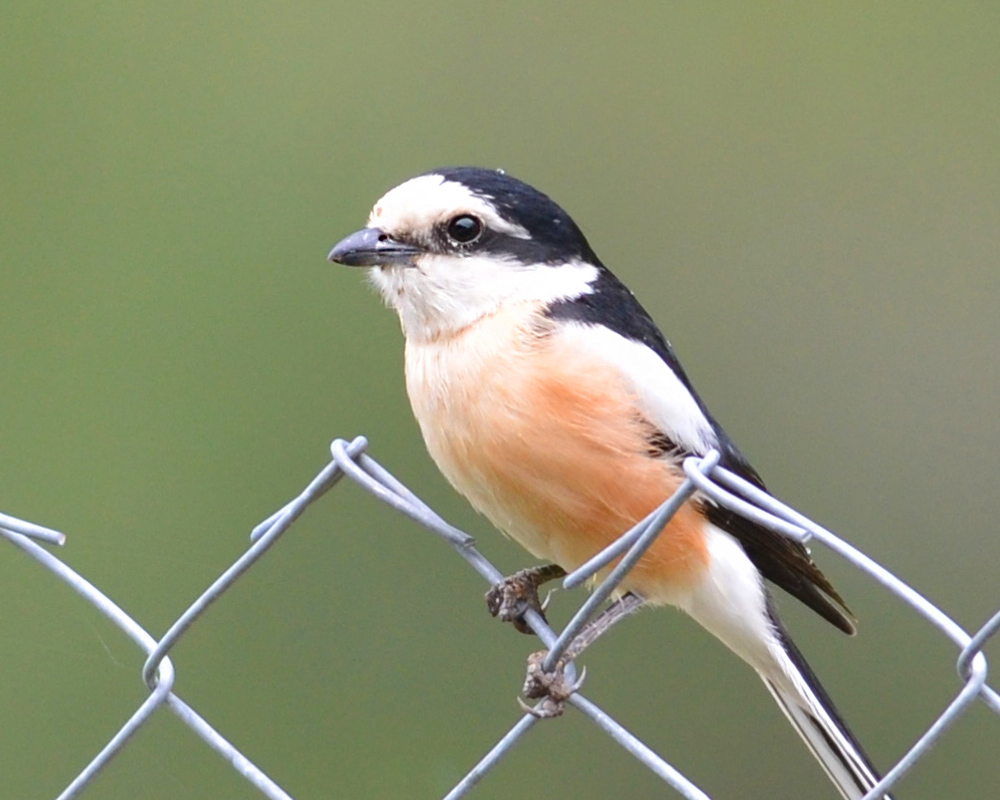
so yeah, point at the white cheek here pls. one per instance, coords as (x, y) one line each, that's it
(445, 294)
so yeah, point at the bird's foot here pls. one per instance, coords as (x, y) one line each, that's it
(552, 688)
(515, 594)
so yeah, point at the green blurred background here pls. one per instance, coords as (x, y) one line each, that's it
(805, 196)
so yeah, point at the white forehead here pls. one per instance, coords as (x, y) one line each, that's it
(426, 201)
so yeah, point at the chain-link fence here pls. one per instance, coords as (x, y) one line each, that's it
(350, 460)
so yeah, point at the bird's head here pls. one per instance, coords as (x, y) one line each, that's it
(452, 246)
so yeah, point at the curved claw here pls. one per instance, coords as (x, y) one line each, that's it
(549, 687)
(546, 709)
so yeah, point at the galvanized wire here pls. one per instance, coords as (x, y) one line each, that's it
(350, 460)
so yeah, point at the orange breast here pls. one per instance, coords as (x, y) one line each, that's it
(550, 446)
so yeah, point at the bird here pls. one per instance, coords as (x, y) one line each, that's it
(549, 398)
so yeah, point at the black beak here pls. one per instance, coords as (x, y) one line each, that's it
(372, 247)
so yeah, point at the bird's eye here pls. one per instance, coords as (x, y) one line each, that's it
(464, 229)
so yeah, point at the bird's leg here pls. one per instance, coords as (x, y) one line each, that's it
(552, 687)
(516, 593)
(602, 623)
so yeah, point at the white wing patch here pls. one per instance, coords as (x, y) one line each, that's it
(664, 399)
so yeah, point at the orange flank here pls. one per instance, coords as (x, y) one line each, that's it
(550, 448)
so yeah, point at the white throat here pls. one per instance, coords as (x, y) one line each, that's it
(444, 294)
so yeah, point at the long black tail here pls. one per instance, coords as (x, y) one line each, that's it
(818, 722)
